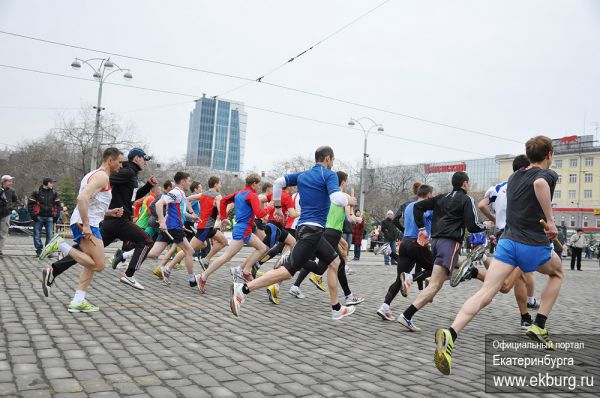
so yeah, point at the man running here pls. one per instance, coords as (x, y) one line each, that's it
(247, 207)
(318, 188)
(410, 253)
(452, 213)
(524, 244)
(92, 205)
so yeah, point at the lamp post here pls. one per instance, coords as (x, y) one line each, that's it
(100, 74)
(366, 132)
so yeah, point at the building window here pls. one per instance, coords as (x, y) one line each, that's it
(559, 179)
(572, 194)
(597, 222)
(572, 221)
(589, 162)
(558, 164)
(573, 162)
(588, 177)
(557, 194)
(585, 222)
(587, 194)
(572, 178)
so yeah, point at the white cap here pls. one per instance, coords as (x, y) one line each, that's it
(7, 177)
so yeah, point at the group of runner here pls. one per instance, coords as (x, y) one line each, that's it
(306, 227)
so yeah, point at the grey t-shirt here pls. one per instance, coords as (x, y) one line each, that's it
(523, 211)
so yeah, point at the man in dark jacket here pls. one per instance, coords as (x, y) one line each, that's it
(44, 208)
(390, 235)
(453, 212)
(8, 202)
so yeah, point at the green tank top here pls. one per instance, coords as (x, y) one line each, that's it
(336, 218)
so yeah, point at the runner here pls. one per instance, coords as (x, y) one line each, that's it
(452, 213)
(92, 205)
(524, 244)
(410, 253)
(171, 227)
(318, 188)
(247, 207)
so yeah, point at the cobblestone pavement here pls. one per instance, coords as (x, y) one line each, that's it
(169, 341)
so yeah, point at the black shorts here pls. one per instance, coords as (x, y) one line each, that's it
(259, 223)
(311, 243)
(189, 225)
(291, 231)
(177, 234)
(274, 235)
(445, 252)
(205, 234)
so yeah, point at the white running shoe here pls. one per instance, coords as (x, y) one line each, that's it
(131, 282)
(385, 314)
(295, 291)
(354, 300)
(237, 298)
(343, 311)
(407, 323)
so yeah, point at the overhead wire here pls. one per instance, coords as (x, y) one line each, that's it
(302, 117)
(280, 86)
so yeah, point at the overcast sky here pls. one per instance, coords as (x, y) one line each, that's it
(508, 68)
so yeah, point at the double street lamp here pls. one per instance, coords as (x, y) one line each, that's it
(101, 73)
(374, 125)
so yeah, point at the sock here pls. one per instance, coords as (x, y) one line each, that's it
(484, 258)
(409, 278)
(202, 276)
(245, 289)
(526, 317)
(410, 311)
(78, 297)
(540, 320)
(192, 277)
(65, 248)
(385, 307)
(336, 307)
(530, 300)
(453, 333)
(474, 273)
(127, 255)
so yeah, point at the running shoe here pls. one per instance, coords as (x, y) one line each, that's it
(343, 311)
(463, 273)
(349, 271)
(536, 304)
(193, 283)
(407, 323)
(131, 282)
(237, 298)
(386, 315)
(443, 351)
(255, 269)
(282, 259)
(353, 300)
(52, 247)
(295, 291)
(538, 334)
(158, 272)
(406, 280)
(117, 258)
(201, 283)
(46, 280)
(273, 291)
(84, 306)
(204, 264)
(317, 281)
(526, 323)
(166, 276)
(382, 248)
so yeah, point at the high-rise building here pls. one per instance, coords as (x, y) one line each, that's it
(217, 134)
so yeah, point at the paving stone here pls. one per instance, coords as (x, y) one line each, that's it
(66, 385)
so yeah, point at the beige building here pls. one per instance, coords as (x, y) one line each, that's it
(576, 200)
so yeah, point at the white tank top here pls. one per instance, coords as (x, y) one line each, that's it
(98, 203)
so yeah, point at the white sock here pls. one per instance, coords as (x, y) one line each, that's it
(65, 248)
(530, 300)
(127, 255)
(409, 278)
(79, 296)
(192, 277)
(385, 307)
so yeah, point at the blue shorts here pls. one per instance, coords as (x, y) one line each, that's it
(526, 257)
(242, 232)
(204, 234)
(78, 233)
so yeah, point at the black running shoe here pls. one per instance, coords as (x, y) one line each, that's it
(194, 283)
(46, 280)
(118, 258)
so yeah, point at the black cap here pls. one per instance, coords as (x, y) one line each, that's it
(47, 180)
(138, 152)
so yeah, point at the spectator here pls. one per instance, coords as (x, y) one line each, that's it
(44, 207)
(8, 202)
(348, 233)
(390, 234)
(374, 238)
(577, 243)
(358, 232)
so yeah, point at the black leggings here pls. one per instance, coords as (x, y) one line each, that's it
(410, 253)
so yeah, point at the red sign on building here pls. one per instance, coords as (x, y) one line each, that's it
(449, 168)
(568, 139)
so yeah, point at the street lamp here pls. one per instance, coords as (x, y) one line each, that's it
(366, 132)
(101, 73)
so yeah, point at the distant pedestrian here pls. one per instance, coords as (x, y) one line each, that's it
(358, 231)
(577, 243)
(390, 234)
(8, 202)
(44, 208)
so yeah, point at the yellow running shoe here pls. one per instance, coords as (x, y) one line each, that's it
(443, 351)
(317, 281)
(538, 334)
(273, 291)
(158, 272)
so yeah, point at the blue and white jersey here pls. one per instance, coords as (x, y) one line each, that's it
(410, 227)
(314, 186)
(497, 196)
